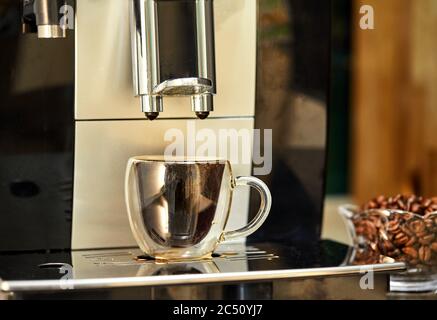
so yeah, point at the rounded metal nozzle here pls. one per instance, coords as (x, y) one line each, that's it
(202, 105)
(151, 106)
(151, 115)
(202, 115)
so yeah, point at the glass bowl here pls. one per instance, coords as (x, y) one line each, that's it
(401, 235)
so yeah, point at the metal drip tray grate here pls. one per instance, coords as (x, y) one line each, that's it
(100, 269)
(135, 257)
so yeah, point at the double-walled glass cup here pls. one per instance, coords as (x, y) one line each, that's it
(178, 207)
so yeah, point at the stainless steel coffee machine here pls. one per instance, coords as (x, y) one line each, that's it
(173, 53)
(76, 99)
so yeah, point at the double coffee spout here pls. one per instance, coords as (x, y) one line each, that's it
(173, 53)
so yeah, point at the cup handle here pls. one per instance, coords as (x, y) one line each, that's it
(263, 212)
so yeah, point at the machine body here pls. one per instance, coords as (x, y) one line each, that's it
(70, 116)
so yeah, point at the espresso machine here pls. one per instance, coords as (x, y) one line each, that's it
(122, 78)
(150, 59)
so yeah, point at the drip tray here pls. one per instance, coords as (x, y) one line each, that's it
(230, 253)
(113, 268)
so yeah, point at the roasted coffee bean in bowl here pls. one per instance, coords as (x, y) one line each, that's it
(401, 227)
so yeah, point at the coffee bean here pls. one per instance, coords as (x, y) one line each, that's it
(376, 220)
(400, 235)
(434, 247)
(369, 226)
(393, 226)
(359, 230)
(429, 223)
(372, 205)
(402, 258)
(411, 242)
(421, 234)
(387, 246)
(407, 231)
(401, 240)
(417, 226)
(424, 253)
(426, 240)
(410, 251)
(380, 199)
(415, 207)
(405, 217)
(394, 253)
(396, 198)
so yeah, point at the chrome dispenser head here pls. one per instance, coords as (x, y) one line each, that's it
(173, 53)
(43, 17)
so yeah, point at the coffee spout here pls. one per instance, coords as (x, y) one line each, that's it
(166, 35)
(202, 105)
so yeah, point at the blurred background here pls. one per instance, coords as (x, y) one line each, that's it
(382, 100)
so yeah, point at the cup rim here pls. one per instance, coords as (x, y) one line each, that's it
(178, 159)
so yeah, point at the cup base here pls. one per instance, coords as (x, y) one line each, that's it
(174, 259)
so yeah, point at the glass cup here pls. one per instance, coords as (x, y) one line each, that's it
(178, 207)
